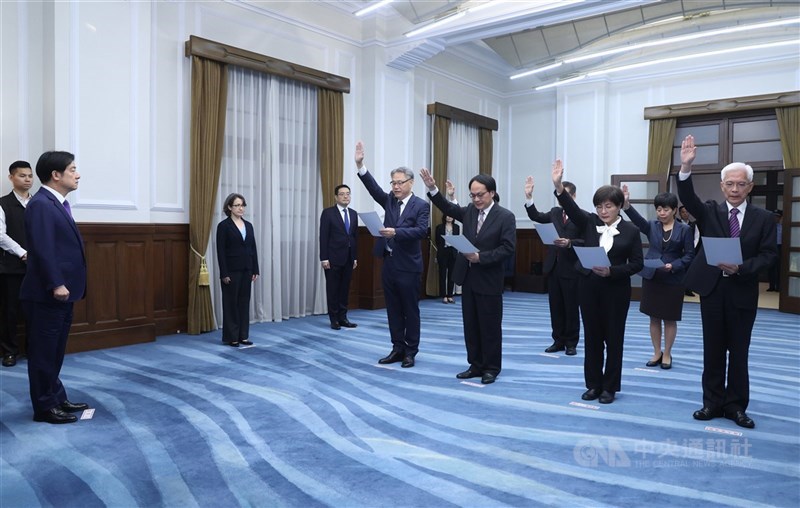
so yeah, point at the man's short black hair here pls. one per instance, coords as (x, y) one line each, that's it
(339, 187)
(17, 165)
(52, 161)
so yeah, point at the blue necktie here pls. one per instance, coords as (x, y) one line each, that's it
(346, 221)
(67, 207)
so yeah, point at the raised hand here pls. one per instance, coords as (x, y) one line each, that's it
(558, 174)
(450, 188)
(359, 154)
(427, 178)
(688, 153)
(627, 203)
(529, 187)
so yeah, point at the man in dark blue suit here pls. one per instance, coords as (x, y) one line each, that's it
(406, 223)
(728, 292)
(338, 252)
(493, 231)
(54, 280)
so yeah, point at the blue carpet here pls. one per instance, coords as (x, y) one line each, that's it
(307, 418)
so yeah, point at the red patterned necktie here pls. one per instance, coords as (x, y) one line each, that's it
(734, 223)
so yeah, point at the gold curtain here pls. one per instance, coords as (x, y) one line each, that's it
(485, 151)
(209, 100)
(789, 128)
(441, 143)
(330, 135)
(659, 146)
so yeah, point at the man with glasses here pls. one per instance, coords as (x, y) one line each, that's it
(493, 230)
(338, 252)
(728, 292)
(405, 225)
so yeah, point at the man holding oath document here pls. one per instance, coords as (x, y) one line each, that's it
(728, 291)
(493, 231)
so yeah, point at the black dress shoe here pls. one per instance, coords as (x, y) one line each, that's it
(591, 394)
(606, 397)
(571, 351)
(652, 363)
(246, 342)
(467, 374)
(232, 344)
(408, 361)
(73, 407)
(667, 365)
(741, 419)
(347, 324)
(9, 360)
(706, 414)
(336, 326)
(393, 357)
(488, 378)
(55, 415)
(555, 348)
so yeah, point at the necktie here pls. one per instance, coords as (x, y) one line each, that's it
(734, 223)
(67, 207)
(399, 209)
(481, 216)
(346, 221)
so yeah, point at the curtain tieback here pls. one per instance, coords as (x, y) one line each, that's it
(202, 277)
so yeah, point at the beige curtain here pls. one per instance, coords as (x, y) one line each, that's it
(659, 146)
(209, 96)
(441, 142)
(330, 139)
(789, 128)
(485, 148)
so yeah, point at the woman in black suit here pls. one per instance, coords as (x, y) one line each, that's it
(238, 268)
(671, 242)
(605, 292)
(446, 258)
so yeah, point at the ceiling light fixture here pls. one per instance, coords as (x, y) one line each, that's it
(538, 70)
(670, 40)
(437, 24)
(370, 8)
(669, 60)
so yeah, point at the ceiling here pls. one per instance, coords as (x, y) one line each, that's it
(508, 37)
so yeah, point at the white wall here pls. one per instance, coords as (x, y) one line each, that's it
(128, 122)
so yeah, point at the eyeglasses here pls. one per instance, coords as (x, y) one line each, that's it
(605, 206)
(343, 194)
(240, 205)
(731, 185)
(398, 183)
(479, 195)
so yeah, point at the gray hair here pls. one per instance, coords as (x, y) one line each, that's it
(402, 169)
(737, 166)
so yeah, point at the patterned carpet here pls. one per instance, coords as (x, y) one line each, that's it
(307, 418)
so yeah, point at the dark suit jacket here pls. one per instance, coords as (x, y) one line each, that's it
(441, 249)
(335, 244)
(496, 243)
(233, 253)
(562, 259)
(758, 242)
(625, 255)
(679, 251)
(410, 228)
(55, 251)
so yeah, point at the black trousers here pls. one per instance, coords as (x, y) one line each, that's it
(483, 329)
(9, 312)
(236, 307)
(726, 345)
(337, 288)
(49, 325)
(604, 307)
(564, 313)
(401, 292)
(446, 283)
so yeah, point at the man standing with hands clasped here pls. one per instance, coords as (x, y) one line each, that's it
(338, 253)
(405, 225)
(493, 231)
(54, 281)
(728, 293)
